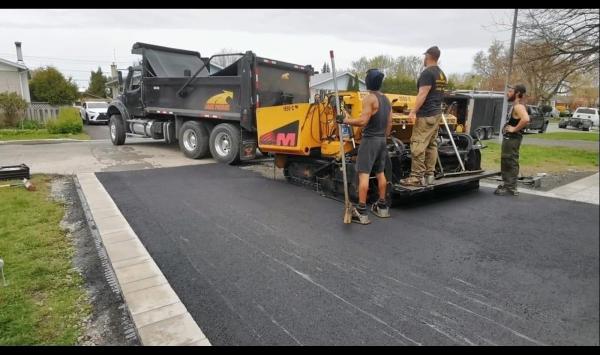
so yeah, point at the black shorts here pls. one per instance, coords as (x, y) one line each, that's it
(372, 155)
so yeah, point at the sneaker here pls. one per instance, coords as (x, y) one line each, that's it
(413, 181)
(360, 216)
(429, 179)
(380, 210)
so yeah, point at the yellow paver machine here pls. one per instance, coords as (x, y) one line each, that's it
(304, 138)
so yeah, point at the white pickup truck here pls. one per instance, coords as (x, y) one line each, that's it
(94, 112)
(583, 118)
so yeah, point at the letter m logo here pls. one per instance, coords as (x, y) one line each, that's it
(287, 139)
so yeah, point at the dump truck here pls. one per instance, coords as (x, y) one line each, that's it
(263, 103)
(172, 96)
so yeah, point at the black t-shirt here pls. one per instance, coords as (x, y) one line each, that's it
(432, 76)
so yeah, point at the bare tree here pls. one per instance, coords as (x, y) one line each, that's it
(569, 36)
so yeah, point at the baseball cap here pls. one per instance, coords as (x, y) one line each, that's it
(434, 52)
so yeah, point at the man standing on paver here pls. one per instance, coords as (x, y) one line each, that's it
(426, 117)
(516, 120)
(376, 120)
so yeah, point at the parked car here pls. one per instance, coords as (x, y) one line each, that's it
(537, 120)
(583, 118)
(553, 114)
(94, 112)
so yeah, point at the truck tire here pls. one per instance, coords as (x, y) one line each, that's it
(116, 130)
(544, 127)
(193, 139)
(562, 125)
(225, 143)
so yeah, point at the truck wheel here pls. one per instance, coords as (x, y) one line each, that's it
(117, 130)
(225, 143)
(564, 125)
(544, 127)
(193, 139)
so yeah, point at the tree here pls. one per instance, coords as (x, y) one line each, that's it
(49, 85)
(356, 86)
(226, 61)
(385, 63)
(12, 106)
(466, 81)
(402, 86)
(326, 68)
(567, 37)
(97, 85)
(408, 67)
(492, 67)
(350, 85)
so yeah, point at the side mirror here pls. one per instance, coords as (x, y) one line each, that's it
(187, 72)
(120, 77)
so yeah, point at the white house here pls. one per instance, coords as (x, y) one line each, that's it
(323, 83)
(13, 75)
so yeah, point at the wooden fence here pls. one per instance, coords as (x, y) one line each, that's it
(41, 111)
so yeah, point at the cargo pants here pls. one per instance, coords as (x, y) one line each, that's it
(509, 160)
(423, 145)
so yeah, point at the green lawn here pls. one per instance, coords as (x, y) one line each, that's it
(44, 302)
(568, 136)
(14, 134)
(536, 159)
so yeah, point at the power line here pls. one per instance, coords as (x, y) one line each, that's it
(70, 59)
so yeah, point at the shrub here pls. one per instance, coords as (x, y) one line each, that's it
(12, 106)
(31, 124)
(68, 121)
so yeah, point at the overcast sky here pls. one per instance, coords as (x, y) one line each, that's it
(77, 41)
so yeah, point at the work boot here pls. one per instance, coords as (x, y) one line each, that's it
(503, 191)
(429, 179)
(413, 181)
(380, 209)
(359, 215)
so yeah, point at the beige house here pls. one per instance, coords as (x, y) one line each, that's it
(13, 75)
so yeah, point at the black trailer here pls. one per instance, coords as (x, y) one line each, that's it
(172, 95)
(479, 113)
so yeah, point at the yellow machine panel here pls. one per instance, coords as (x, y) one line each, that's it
(296, 129)
(289, 129)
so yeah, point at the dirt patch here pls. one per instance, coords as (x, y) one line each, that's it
(109, 323)
(551, 180)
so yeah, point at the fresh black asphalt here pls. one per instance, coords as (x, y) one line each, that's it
(258, 261)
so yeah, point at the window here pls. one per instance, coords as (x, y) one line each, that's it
(588, 111)
(97, 105)
(135, 80)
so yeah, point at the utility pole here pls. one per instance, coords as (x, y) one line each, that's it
(510, 64)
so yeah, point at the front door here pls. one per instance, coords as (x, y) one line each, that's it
(133, 93)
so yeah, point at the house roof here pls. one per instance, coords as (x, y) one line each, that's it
(325, 77)
(13, 64)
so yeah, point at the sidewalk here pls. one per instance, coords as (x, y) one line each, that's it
(157, 312)
(583, 190)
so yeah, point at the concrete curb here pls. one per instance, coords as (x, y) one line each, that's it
(47, 141)
(541, 193)
(159, 315)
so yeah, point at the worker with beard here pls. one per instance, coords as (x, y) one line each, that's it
(426, 117)
(376, 120)
(516, 120)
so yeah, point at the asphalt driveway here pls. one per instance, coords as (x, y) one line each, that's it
(258, 261)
